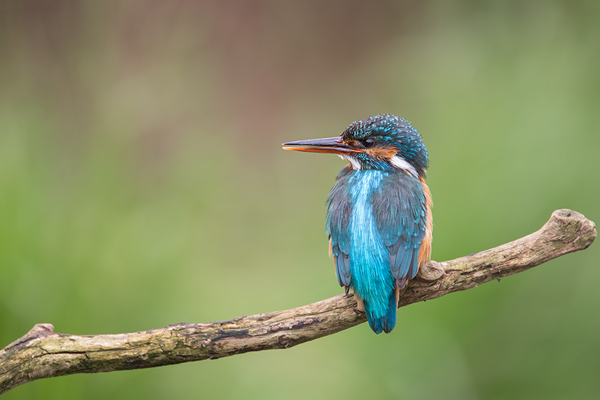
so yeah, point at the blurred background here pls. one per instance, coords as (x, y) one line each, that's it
(142, 183)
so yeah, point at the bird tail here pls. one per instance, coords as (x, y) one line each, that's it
(384, 323)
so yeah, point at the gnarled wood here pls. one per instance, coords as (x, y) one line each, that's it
(42, 353)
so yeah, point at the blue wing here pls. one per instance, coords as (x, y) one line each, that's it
(339, 210)
(400, 210)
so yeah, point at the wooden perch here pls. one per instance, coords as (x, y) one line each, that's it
(42, 353)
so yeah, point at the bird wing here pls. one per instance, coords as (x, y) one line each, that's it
(400, 210)
(339, 209)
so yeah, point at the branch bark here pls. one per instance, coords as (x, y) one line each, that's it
(42, 353)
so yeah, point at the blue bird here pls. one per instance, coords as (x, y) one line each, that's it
(379, 219)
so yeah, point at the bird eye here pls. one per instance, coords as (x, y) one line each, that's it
(368, 143)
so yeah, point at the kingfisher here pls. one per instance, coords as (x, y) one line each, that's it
(379, 219)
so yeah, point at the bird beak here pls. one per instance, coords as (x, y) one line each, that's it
(333, 145)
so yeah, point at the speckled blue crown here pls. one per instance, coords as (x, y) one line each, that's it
(395, 132)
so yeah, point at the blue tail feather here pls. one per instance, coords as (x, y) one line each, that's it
(387, 322)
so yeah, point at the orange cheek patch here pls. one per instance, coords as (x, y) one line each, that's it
(381, 153)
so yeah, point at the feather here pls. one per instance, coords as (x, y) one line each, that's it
(376, 221)
(387, 322)
(400, 208)
(342, 267)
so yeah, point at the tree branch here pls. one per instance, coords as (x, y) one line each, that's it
(42, 353)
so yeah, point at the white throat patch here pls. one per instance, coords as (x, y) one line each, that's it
(355, 164)
(401, 163)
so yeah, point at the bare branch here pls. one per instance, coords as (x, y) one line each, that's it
(41, 353)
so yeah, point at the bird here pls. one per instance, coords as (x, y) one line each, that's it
(379, 218)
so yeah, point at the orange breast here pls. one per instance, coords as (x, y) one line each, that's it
(425, 250)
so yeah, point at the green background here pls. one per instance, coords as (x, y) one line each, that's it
(142, 183)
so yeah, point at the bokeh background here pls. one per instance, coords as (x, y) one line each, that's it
(142, 184)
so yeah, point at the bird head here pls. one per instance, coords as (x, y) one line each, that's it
(383, 142)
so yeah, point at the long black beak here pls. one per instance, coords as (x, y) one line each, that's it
(333, 145)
